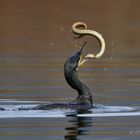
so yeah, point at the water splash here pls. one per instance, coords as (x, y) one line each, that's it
(99, 111)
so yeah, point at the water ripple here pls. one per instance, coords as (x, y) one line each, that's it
(99, 111)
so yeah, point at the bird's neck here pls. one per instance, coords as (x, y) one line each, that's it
(84, 94)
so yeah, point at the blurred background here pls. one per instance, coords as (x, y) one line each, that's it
(36, 40)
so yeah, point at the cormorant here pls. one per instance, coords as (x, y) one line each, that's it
(84, 99)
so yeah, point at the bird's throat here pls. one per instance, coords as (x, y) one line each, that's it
(84, 94)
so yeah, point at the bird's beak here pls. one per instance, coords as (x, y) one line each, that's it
(83, 58)
(82, 61)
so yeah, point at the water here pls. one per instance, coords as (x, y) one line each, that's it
(35, 41)
(12, 111)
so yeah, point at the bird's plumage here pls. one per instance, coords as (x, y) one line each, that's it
(71, 76)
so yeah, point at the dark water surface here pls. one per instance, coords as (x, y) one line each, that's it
(35, 41)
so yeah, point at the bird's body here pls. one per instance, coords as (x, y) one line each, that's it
(84, 99)
(70, 72)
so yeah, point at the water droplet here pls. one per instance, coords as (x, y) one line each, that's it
(51, 44)
(61, 28)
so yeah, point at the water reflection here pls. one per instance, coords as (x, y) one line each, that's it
(78, 126)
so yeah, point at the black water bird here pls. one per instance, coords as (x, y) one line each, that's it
(84, 99)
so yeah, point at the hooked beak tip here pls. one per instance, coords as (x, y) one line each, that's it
(83, 47)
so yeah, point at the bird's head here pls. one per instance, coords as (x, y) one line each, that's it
(75, 61)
